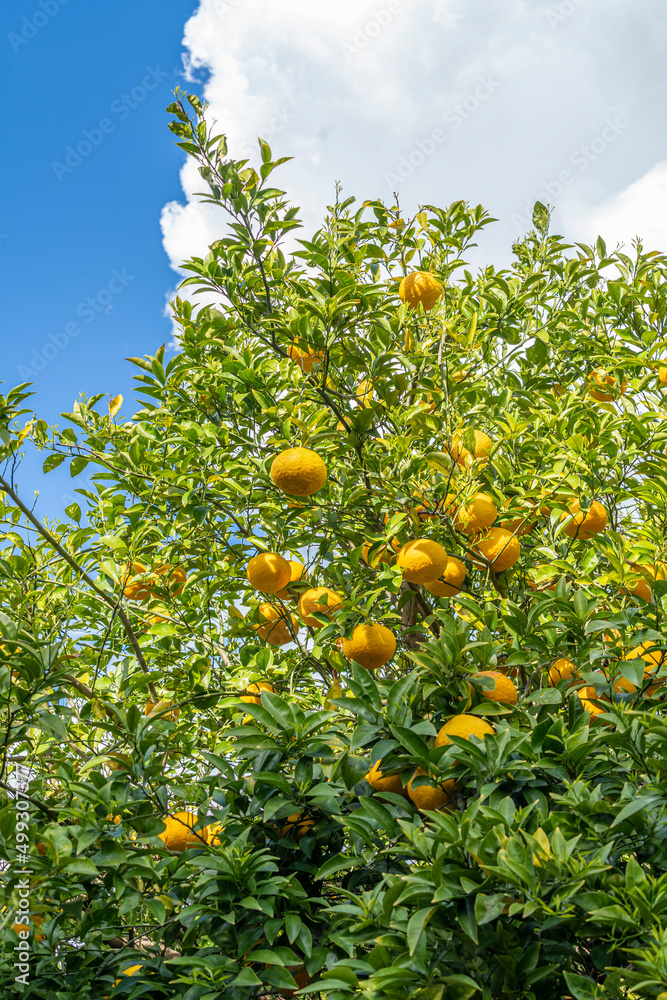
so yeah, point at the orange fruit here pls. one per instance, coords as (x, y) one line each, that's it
(178, 834)
(296, 572)
(451, 581)
(584, 524)
(318, 600)
(268, 572)
(135, 590)
(388, 783)
(476, 515)
(298, 471)
(420, 288)
(433, 796)
(161, 706)
(562, 669)
(503, 690)
(382, 555)
(276, 632)
(36, 920)
(662, 374)
(500, 547)
(462, 455)
(600, 380)
(305, 359)
(296, 826)
(587, 696)
(251, 697)
(175, 578)
(464, 726)
(371, 646)
(422, 560)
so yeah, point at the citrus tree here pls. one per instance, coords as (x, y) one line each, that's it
(345, 674)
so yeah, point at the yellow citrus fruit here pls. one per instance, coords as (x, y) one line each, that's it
(382, 555)
(36, 920)
(420, 288)
(451, 581)
(175, 578)
(503, 690)
(422, 560)
(562, 669)
(268, 572)
(321, 601)
(178, 834)
(305, 359)
(464, 726)
(662, 374)
(251, 697)
(388, 783)
(296, 572)
(135, 590)
(129, 972)
(653, 658)
(371, 646)
(298, 471)
(584, 524)
(276, 632)
(500, 547)
(587, 696)
(433, 796)
(211, 833)
(161, 706)
(476, 515)
(296, 826)
(462, 455)
(598, 380)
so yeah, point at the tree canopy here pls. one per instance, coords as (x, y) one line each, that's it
(346, 671)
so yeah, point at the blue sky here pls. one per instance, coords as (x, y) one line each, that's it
(498, 103)
(84, 275)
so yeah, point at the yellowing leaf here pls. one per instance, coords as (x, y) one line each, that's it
(115, 404)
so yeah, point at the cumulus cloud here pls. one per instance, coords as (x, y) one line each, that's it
(638, 211)
(438, 100)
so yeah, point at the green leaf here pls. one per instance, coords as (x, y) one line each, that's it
(487, 908)
(416, 925)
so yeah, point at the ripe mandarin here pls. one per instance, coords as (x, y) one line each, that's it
(420, 288)
(476, 515)
(431, 796)
(422, 560)
(451, 581)
(321, 601)
(500, 547)
(371, 646)
(298, 471)
(268, 572)
(503, 690)
(584, 524)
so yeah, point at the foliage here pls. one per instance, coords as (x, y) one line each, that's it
(548, 874)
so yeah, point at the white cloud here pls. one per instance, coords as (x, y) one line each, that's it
(639, 210)
(438, 99)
